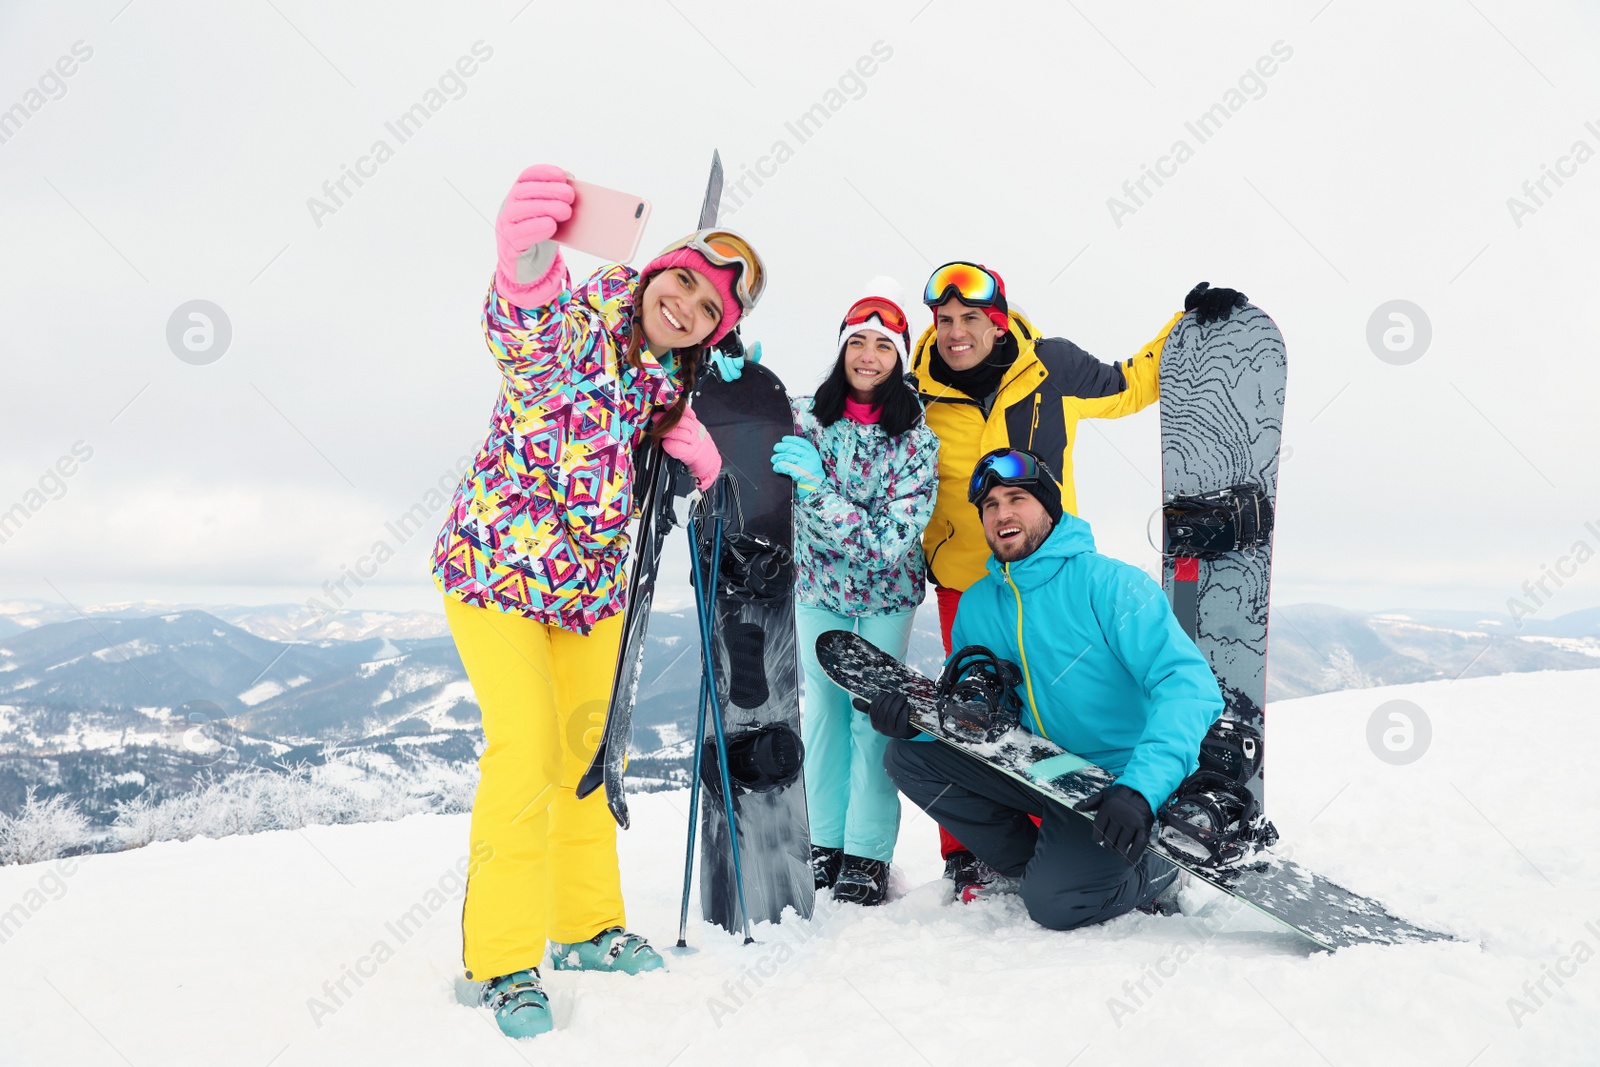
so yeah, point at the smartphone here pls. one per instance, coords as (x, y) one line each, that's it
(604, 223)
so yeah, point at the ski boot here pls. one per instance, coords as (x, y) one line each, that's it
(612, 949)
(862, 881)
(519, 1004)
(825, 865)
(975, 879)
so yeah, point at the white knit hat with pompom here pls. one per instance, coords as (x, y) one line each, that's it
(884, 288)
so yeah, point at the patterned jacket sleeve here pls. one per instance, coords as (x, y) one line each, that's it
(887, 529)
(530, 345)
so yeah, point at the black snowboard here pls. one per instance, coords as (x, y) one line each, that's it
(1329, 915)
(1222, 387)
(755, 654)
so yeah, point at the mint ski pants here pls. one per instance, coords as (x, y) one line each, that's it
(851, 801)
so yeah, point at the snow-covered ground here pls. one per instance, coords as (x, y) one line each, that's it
(340, 945)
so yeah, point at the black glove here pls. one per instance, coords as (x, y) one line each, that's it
(890, 714)
(1122, 820)
(1212, 305)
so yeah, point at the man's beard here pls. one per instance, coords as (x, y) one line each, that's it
(1032, 538)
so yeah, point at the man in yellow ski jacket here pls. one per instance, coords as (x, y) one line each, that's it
(987, 381)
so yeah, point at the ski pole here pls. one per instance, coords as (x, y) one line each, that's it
(699, 739)
(709, 667)
(722, 740)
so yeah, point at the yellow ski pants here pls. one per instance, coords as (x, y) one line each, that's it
(544, 863)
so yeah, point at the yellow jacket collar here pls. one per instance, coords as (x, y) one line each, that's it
(922, 357)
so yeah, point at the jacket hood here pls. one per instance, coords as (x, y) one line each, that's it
(1071, 537)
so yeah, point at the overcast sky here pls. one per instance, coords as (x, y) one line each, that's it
(1374, 163)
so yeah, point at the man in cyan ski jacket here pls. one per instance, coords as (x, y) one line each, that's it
(1107, 673)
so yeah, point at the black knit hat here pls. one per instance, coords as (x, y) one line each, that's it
(1007, 466)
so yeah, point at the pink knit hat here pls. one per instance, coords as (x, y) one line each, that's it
(722, 279)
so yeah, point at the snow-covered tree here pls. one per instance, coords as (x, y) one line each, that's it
(43, 830)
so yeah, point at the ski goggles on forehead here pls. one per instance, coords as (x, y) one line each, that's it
(885, 311)
(724, 248)
(970, 283)
(1006, 467)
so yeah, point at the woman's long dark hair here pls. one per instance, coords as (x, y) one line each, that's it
(897, 403)
(688, 364)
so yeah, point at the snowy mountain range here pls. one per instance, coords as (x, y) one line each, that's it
(146, 702)
(149, 702)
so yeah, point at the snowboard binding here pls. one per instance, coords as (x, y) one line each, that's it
(1235, 519)
(1213, 817)
(977, 693)
(754, 569)
(760, 759)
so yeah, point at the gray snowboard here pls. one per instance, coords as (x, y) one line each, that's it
(1222, 387)
(1329, 915)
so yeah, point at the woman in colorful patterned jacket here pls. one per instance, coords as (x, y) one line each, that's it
(531, 564)
(865, 468)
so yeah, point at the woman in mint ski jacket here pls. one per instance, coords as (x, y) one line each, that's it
(865, 467)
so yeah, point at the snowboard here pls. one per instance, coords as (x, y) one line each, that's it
(1222, 387)
(755, 656)
(1321, 911)
(656, 474)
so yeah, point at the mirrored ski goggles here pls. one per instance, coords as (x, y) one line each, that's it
(1006, 466)
(970, 283)
(885, 311)
(724, 248)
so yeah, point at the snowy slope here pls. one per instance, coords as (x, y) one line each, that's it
(210, 951)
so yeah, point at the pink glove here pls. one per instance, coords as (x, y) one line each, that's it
(689, 442)
(530, 272)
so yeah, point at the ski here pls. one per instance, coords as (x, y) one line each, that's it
(654, 481)
(1317, 909)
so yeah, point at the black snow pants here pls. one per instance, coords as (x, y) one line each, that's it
(1067, 880)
